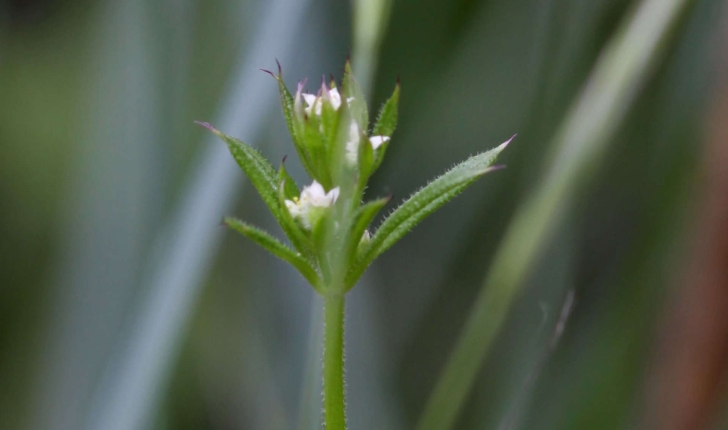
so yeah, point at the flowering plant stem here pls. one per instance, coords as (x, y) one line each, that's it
(328, 222)
(334, 401)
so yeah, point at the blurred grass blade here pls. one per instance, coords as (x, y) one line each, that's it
(138, 373)
(370, 22)
(423, 203)
(578, 146)
(109, 205)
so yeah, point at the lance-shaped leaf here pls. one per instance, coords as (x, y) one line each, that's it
(421, 204)
(387, 119)
(286, 98)
(361, 220)
(288, 103)
(260, 172)
(275, 247)
(385, 125)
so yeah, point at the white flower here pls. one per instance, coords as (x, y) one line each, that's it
(312, 196)
(377, 141)
(315, 102)
(335, 98)
(352, 145)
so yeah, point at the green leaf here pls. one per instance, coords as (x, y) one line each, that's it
(260, 172)
(365, 161)
(385, 125)
(379, 156)
(314, 141)
(361, 220)
(289, 113)
(423, 203)
(351, 89)
(286, 98)
(387, 119)
(275, 247)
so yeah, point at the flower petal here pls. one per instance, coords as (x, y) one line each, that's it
(377, 141)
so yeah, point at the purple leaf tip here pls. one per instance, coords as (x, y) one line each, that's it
(268, 72)
(494, 168)
(205, 124)
(509, 140)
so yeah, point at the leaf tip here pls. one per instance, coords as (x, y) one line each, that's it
(208, 126)
(268, 72)
(493, 169)
(507, 142)
(280, 69)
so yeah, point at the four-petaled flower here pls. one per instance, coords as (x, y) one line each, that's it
(313, 198)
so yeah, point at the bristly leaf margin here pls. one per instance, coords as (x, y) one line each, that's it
(277, 248)
(421, 204)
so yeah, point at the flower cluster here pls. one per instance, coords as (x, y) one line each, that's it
(327, 222)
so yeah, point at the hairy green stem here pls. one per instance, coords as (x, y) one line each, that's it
(334, 402)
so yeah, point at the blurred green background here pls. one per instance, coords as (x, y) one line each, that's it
(123, 301)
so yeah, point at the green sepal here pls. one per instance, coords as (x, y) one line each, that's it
(361, 220)
(351, 89)
(314, 141)
(365, 160)
(387, 119)
(260, 172)
(329, 125)
(290, 190)
(275, 247)
(420, 205)
(300, 119)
